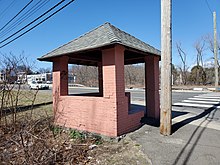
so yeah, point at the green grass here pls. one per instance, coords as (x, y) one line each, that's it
(27, 98)
(75, 134)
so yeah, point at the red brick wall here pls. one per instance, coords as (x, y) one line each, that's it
(93, 114)
(107, 115)
(152, 86)
(96, 114)
(60, 75)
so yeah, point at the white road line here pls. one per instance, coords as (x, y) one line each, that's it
(208, 97)
(195, 105)
(204, 99)
(134, 97)
(203, 102)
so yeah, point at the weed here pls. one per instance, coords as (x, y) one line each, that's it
(56, 130)
(98, 139)
(126, 143)
(74, 134)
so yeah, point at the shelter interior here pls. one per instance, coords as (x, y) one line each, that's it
(110, 62)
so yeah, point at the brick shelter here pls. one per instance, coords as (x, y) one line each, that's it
(107, 112)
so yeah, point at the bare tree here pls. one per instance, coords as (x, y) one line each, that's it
(198, 75)
(44, 70)
(200, 47)
(86, 75)
(174, 74)
(210, 41)
(134, 75)
(183, 68)
(12, 65)
(10, 94)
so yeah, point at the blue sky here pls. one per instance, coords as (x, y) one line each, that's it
(191, 20)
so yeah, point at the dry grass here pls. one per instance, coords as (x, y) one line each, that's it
(43, 99)
(33, 139)
(26, 97)
(21, 103)
(39, 142)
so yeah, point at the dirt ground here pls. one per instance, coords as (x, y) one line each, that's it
(124, 152)
(40, 142)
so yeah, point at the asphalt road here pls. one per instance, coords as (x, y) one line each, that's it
(184, 102)
(136, 94)
(139, 94)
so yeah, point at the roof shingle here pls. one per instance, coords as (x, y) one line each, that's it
(103, 35)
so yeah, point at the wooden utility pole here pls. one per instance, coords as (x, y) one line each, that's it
(166, 62)
(215, 51)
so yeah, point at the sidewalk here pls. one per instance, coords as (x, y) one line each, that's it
(195, 138)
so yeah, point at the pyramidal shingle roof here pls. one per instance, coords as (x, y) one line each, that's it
(103, 35)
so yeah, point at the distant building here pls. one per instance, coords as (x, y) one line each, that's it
(44, 77)
(21, 77)
(7, 77)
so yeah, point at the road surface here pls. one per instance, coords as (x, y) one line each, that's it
(139, 94)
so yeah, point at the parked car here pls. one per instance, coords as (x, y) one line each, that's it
(49, 82)
(38, 85)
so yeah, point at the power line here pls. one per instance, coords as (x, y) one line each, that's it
(211, 11)
(5, 10)
(208, 6)
(17, 14)
(33, 21)
(23, 17)
(37, 24)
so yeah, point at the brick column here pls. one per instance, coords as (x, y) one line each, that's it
(120, 80)
(60, 76)
(113, 72)
(113, 84)
(152, 86)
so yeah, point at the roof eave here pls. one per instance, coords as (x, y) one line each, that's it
(49, 59)
(75, 52)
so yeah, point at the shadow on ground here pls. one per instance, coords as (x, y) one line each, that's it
(11, 110)
(208, 116)
(178, 125)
